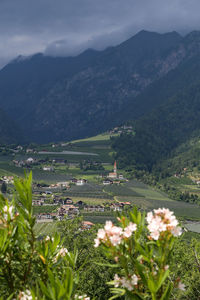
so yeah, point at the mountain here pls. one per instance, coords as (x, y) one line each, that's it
(58, 98)
(10, 133)
(174, 121)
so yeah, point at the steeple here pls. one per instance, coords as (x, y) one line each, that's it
(115, 167)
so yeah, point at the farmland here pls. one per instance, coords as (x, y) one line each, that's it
(64, 165)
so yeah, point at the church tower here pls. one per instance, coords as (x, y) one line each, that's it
(115, 167)
(114, 174)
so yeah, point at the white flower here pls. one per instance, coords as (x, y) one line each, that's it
(181, 286)
(108, 226)
(134, 279)
(83, 297)
(101, 234)
(117, 280)
(63, 252)
(8, 211)
(177, 231)
(47, 238)
(126, 283)
(25, 295)
(96, 243)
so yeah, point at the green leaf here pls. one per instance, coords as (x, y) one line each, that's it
(161, 279)
(118, 293)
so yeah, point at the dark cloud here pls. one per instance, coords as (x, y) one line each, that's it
(67, 27)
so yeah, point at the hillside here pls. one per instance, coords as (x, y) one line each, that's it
(172, 122)
(67, 98)
(9, 130)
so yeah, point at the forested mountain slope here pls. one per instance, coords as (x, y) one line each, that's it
(64, 98)
(165, 128)
(9, 130)
(54, 99)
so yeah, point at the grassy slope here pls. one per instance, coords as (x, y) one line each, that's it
(184, 162)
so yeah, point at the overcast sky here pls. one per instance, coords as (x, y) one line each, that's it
(67, 27)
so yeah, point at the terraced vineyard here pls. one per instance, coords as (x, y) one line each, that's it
(45, 228)
(89, 190)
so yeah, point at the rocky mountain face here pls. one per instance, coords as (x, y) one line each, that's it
(53, 99)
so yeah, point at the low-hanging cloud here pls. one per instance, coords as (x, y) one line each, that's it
(69, 27)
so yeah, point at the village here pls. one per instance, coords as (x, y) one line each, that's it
(51, 202)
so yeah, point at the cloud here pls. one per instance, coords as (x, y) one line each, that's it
(67, 27)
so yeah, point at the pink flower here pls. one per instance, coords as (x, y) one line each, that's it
(114, 234)
(115, 240)
(129, 230)
(101, 234)
(162, 220)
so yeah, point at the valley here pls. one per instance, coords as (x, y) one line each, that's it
(68, 119)
(75, 179)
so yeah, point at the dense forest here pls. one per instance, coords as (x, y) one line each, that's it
(160, 132)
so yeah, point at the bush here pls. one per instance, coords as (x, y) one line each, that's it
(30, 268)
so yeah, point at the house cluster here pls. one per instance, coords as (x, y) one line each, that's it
(22, 163)
(48, 168)
(78, 182)
(69, 209)
(65, 210)
(122, 129)
(38, 202)
(7, 179)
(62, 184)
(32, 161)
(115, 206)
(56, 200)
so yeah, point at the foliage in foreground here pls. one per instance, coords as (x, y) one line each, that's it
(44, 269)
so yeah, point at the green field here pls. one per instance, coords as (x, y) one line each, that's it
(194, 227)
(100, 137)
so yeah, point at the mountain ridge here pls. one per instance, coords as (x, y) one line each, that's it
(55, 99)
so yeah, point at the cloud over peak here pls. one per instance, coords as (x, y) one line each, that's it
(68, 27)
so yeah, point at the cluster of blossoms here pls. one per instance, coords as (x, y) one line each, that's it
(114, 234)
(126, 283)
(8, 212)
(162, 220)
(48, 238)
(25, 295)
(62, 252)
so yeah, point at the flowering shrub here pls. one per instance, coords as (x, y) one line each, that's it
(32, 268)
(141, 253)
